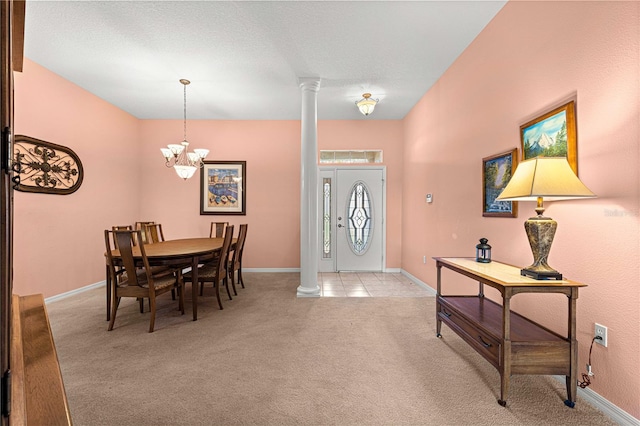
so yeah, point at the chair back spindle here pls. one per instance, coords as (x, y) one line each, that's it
(140, 226)
(218, 229)
(153, 233)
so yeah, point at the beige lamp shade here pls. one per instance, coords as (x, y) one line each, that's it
(538, 179)
(548, 177)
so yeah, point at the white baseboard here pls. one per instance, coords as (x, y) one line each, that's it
(392, 270)
(103, 282)
(609, 409)
(419, 282)
(76, 291)
(270, 269)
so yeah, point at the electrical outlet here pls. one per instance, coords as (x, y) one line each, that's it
(601, 331)
(424, 259)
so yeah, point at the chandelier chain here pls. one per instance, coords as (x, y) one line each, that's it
(185, 112)
(178, 156)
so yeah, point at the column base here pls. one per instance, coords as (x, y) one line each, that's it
(308, 292)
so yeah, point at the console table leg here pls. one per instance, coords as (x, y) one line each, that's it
(572, 378)
(505, 372)
(505, 377)
(439, 281)
(571, 391)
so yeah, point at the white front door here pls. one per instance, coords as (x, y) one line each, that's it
(352, 227)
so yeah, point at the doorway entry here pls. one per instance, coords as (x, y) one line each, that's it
(352, 226)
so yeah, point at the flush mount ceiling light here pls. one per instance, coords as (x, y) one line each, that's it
(366, 105)
(177, 156)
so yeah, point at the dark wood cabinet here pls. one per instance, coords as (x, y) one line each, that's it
(512, 343)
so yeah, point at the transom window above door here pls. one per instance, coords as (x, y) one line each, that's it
(350, 157)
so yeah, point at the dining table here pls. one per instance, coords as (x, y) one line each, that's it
(173, 253)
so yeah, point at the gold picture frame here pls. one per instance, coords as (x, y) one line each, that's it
(496, 173)
(552, 134)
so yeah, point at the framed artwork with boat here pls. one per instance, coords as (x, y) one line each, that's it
(222, 188)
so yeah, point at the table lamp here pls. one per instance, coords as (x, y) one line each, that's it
(538, 179)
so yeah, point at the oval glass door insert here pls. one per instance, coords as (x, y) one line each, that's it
(360, 221)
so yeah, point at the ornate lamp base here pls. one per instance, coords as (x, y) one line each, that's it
(540, 231)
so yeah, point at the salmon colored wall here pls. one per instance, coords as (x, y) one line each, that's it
(532, 57)
(272, 152)
(58, 240)
(125, 181)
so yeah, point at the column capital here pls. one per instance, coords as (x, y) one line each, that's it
(309, 83)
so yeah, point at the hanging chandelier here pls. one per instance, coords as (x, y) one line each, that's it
(185, 163)
(366, 105)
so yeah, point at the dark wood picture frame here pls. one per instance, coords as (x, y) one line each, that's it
(496, 173)
(553, 134)
(223, 188)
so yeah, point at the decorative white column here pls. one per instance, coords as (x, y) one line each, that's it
(309, 250)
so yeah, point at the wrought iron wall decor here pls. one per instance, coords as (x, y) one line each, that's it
(45, 167)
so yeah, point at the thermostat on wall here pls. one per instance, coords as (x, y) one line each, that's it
(429, 198)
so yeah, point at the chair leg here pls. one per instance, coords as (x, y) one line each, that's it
(181, 296)
(216, 285)
(141, 301)
(108, 287)
(233, 284)
(226, 284)
(114, 308)
(240, 280)
(201, 288)
(152, 305)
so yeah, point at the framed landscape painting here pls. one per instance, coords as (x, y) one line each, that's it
(222, 188)
(553, 134)
(496, 173)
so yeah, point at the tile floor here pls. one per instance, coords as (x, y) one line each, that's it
(369, 284)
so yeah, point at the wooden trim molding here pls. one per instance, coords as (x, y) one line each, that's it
(17, 34)
(37, 389)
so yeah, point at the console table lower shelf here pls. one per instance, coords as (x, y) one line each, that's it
(512, 343)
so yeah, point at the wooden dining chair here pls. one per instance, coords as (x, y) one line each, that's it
(118, 268)
(215, 270)
(235, 259)
(139, 282)
(153, 233)
(140, 226)
(217, 229)
(121, 228)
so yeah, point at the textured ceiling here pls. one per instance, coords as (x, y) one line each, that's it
(244, 58)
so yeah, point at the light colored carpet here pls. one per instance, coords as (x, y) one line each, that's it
(270, 358)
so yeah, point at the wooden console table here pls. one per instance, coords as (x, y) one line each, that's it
(512, 343)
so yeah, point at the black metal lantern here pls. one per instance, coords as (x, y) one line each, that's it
(483, 251)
